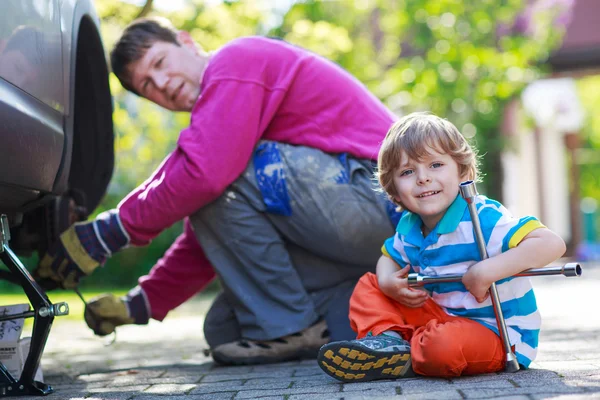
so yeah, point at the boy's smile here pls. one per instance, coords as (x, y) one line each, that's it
(428, 186)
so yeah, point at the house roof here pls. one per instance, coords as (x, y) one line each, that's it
(581, 45)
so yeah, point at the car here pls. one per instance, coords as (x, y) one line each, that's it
(56, 148)
(56, 129)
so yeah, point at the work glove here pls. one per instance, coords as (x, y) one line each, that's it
(81, 249)
(105, 312)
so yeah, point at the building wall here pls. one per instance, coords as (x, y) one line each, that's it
(536, 180)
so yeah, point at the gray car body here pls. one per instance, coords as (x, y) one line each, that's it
(56, 132)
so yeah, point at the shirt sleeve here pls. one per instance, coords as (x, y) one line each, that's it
(227, 122)
(182, 272)
(501, 230)
(393, 248)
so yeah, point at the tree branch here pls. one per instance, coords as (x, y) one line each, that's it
(145, 10)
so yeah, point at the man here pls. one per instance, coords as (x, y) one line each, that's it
(273, 179)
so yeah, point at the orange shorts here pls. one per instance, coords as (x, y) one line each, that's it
(441, 345)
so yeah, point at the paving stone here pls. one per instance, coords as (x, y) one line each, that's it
(232, 370)
(250, 375)
(317, 396)
(134, 388)
(483, 384)
(268, 383)
(136, 376)
(108, 376)
(106, 396)
(221, 386)
(308, 371)
(376, 390)
(212, 396)
(589, 381)
(570, 368)
(79, 386)
(284, 365)
(404, 386)
(443, 394)
(566, 396)
(170, 389)
(322, 379)
(488, 393)
(62, 394)
(317, 389)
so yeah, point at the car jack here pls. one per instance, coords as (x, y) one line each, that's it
(43, 313)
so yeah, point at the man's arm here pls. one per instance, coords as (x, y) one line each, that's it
(182, 272)
(179, 275)
(227, 122)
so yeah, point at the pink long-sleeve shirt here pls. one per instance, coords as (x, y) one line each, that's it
(254, 88)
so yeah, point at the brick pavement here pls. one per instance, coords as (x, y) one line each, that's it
(165, 361)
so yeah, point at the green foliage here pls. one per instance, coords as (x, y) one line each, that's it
(455, 58)
(589, 156)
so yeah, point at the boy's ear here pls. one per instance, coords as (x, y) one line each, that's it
(186, 40)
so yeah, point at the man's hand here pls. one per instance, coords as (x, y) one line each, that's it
(395, 286)
(105, 312)
(477, 281)
(81, 249)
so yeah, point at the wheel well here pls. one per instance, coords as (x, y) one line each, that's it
(93, 138)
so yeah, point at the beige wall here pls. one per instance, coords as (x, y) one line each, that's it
(536, 174)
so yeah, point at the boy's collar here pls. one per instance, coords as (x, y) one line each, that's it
(447, 224)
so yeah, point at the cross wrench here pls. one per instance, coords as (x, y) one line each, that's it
(469, 192)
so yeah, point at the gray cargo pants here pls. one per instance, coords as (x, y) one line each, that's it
(280, 274)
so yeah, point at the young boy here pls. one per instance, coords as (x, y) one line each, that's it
(449, 329)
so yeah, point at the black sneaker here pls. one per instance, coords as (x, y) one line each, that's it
(370, 358)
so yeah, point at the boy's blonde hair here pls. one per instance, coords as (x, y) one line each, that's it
(414, 135)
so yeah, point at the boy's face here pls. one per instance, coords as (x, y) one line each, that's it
(427, 187)
(169, 75)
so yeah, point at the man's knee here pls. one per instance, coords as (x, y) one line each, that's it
(220, 323)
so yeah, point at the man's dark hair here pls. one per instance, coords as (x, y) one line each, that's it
(137, 38)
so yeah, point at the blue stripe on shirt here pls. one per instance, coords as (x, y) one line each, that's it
(516, 307)
(488, 218)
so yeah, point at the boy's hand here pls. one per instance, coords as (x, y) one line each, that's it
(395, 286)
(477, 282)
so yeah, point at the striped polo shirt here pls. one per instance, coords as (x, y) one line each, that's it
(450, 248)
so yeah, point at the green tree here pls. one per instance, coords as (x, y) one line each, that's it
(463, 60)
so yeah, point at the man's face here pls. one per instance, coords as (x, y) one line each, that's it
(169, 75)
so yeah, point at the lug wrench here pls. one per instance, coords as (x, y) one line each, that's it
(568, 270)
(469, 192)
(114, 337)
